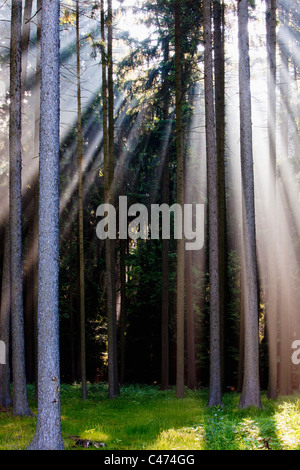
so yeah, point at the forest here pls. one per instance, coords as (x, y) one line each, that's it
(149, 224)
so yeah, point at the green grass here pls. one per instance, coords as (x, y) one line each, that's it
(144, 417)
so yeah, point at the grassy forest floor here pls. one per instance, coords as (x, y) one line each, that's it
(144, 417)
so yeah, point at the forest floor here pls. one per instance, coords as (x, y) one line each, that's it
(144, 417)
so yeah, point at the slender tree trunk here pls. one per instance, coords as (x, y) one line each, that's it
(113, 380)
(219, 64)
(271, 311)
(165, 244)
(215, 397)
(5, 395)
(285, 303)
(251, 390)
(36, 187)
(108, 245)
(48, 429)
(180, 193)
(80, 213)
(104, 104)
(20, 403)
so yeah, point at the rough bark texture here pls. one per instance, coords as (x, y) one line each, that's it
(80, 213)
(20, 404)
(36, 185)
(48, 429)
(271, 311)
(180, 189)
(219, 64)
(5, 395)
(215, 397)
(251, 391)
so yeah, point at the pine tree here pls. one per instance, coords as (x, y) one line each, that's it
(251, 391)
(113, 376)
(20, 403)
(48, 428)
(271, 310)
(213, 219)
(180, 192)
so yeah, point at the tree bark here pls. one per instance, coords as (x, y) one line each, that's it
(180, 193)
(20, 403)
(113, 376)
(48, 428)
(215, 396)
(271, 310)
(219, 64)
(251, 390)
(36, 186)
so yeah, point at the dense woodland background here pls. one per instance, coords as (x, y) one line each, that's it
(153, 113)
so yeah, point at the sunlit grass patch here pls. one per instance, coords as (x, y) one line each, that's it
(247, 434)
(15, 431)
(186, 438)
(287, 420)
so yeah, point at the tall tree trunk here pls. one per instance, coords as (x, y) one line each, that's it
(36, 186)
(165, 243)
(5, 395)
(251, 391)
(20, 403)
(271, 311)
(180, 193)
(285, 303)
(215, 397)
(219, 64)
(113, 379)
(80, 213)
(48, 428)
